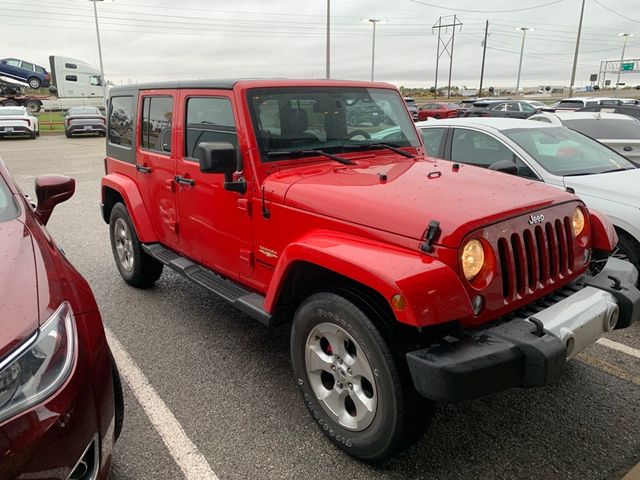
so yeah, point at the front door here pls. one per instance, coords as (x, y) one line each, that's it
(215, 224)
(156, 162)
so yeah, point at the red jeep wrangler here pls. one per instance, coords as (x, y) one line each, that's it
(406, 280)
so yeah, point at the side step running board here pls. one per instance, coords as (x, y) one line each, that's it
(248, 302)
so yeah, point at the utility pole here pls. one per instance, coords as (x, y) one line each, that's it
(104, 82)
(328, 51)
(446, 46)
(374, 22)
(484, 53)
(524, 36)
(624, 47)
(575, 55)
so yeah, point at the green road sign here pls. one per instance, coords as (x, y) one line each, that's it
(627, 67)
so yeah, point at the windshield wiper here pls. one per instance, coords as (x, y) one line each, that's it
(595, 173)
(379, 145)
(295, 153)
(621, 169)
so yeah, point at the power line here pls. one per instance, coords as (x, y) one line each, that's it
(488, 11)
(617, 13)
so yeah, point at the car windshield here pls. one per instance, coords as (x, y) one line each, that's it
(11, 111)
(606, 128)
(8, 205)
(332, 119)
(563, 152)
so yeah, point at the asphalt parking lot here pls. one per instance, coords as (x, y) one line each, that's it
(228, 398)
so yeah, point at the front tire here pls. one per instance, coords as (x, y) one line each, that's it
(136, 267)
(351, 380)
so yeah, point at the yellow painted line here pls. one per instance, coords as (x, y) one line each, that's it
(620, 347)
(634, 474)
(609, 368)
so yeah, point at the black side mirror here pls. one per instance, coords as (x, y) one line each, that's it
(504, 166)
(50, 191)
(220, 157)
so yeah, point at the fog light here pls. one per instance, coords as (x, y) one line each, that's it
(477, 303)
(398, 302)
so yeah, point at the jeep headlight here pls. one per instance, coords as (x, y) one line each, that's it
(38, 367)
(472, 258)
(577, 221)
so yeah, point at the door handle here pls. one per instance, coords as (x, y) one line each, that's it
(627, 149)
(185, 181)
(143, 169)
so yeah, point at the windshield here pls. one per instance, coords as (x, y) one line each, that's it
(619, 129)
(8, 205)
(562, 151)
(332, 119)
(11, 111)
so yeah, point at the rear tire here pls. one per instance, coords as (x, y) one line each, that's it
(32, 135)
(628, 247)
(136, 267)
(34, 82)
(370, 411)
(68, 134)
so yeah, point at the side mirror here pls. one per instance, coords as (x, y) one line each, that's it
(50, 191)
(165, 140)
(53, 90)
(221, 157)
(504, 166)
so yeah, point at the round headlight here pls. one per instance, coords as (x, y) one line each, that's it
(577, 222)
(472, 259)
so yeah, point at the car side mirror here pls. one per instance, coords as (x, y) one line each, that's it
(504, 166)
(165, 140)
(50, 191)
(220, 157)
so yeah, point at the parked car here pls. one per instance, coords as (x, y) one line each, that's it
(412, 106)
(18, 121)
(401, 277)
(501, 108)
(467, 103)
(553, 154)
(624, 109)
(34, 75)
(576, 103)
(84, 120)
(366, 111)
(438, 110)
(619, 132)
(61, 404)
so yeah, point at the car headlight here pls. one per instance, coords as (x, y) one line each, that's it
(577, 221)
(472, 259)
(38, 367)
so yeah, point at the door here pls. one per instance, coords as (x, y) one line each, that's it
(215, 223)
(155, 162)
(11, 68)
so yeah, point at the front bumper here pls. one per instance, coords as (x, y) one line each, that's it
(531, 347)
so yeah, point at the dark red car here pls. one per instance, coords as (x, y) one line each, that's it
(61, 404)
(437, 110)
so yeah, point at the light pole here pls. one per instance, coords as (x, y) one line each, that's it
(624, 47)
(524, 36)
(373, 21)
(575, 55)
(104, 83)
(328, 50)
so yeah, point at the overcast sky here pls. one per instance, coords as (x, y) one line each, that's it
(146, 40)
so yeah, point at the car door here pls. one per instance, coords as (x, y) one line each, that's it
(11, 68)
(215, 223)
(156, 162)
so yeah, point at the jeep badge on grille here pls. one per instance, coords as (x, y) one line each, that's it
(534, 219)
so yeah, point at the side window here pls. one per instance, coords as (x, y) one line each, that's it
(95, 80)
(71, 78)
(120, 125)
(13, 62)
(500, 107)
(26, 65)
(512, 107)
(40, 69)
(432, 138)
(157, 115)
(208, 119)
(477, 148)
(72, 66)
(524, 170)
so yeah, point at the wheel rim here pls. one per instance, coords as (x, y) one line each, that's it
(596, 266)
(34, 84)
(124, 244)
(341, 376)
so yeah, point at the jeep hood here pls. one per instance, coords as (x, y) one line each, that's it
(19, 313)
(462, 198)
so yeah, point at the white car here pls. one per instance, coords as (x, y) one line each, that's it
(617, 131)
(606, 181)
(18, 121)
(576, 103)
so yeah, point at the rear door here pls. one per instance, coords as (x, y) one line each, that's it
(156, 163)
(215, 224)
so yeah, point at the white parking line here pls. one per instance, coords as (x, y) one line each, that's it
(620, 347)
(184, 452)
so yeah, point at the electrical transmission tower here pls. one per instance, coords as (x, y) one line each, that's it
(447, 22)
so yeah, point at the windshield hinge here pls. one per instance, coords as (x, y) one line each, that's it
(432, 232)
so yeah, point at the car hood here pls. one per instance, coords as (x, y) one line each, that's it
(461, 197)
(619, 187)
(18, 285)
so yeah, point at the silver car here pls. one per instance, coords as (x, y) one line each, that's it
(619, 132)
(558, 156)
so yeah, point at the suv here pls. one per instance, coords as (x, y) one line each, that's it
(34, 75)
(405, 280)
